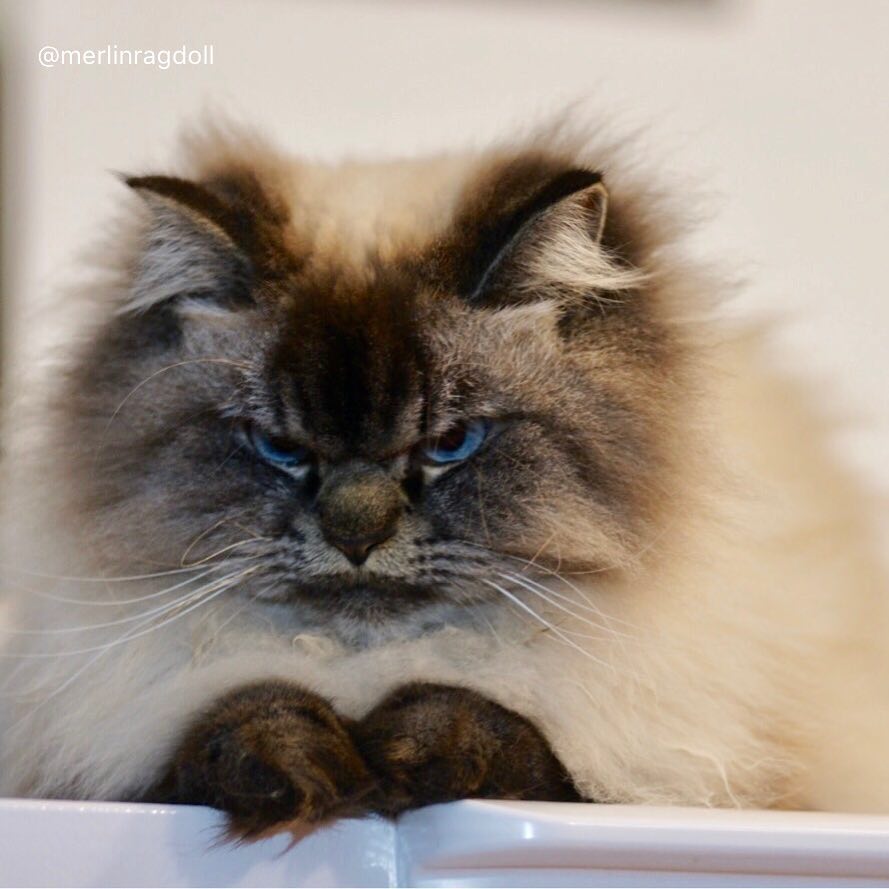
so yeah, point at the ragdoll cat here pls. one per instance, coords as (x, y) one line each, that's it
(376, 485)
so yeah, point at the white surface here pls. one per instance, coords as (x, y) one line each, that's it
(112, 844)
(488, 844)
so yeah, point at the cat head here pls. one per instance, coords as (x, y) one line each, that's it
(374, 390)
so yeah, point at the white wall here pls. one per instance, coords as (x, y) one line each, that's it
(778, 108)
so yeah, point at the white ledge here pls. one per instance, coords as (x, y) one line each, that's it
(470, 843)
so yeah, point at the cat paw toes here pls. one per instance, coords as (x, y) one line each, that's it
(271, 756)
(429, 743)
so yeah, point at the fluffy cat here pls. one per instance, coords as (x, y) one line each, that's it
(375, 485)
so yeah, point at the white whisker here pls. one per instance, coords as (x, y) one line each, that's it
(213, 589)
(545, 593)
(73, 578)
(116, 603)
(169, 367)
(550, 626)
(123, 620)
(536, 566)
(224, 549)
(103, 650)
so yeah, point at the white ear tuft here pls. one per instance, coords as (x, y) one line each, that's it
(566, 254)
(593, 203)
(558, 253)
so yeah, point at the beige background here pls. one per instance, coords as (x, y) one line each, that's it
(776, 110)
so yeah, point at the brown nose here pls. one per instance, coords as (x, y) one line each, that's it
(358, 508)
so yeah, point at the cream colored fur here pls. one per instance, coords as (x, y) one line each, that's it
(740, 661)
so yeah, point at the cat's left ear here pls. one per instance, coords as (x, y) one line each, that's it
(192, 250)
(548, 247)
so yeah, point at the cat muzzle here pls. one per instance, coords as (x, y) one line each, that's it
(358, 508)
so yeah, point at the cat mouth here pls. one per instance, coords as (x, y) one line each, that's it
(373, 593)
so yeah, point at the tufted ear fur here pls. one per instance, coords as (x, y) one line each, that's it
(192, 250)
(549, 246)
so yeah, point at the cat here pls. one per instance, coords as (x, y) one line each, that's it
(374, 485)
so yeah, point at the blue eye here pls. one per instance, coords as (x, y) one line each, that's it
(458, 443)
(277, 451)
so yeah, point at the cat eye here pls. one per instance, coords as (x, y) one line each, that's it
(457, 444)
(277, 451)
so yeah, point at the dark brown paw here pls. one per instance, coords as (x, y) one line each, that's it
(430, 743)
(269, 754)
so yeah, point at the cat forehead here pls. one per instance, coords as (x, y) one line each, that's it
(368, 364)
(371, 368)
(348, 360)
(352, 210)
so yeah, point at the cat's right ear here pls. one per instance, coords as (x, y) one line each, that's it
(191, 252)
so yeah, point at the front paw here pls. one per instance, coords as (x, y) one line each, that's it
(268, 754)
(429, 743)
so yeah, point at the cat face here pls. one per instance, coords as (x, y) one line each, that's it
(368, 433)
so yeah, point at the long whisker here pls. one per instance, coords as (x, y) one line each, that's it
(550, 626)
(126, 638)
(196, 566)
(240, 365)
(251, 599)
(578, 634)
(224, 549)
(213, 589)
(160, 609)
(656, 538)
(183, 559)
(73, 578)
(586, 597)
(536, 566)
(116, 603)
(237, 364)
(542, 548)
(478, 607)
(532, 564)
(545, 593)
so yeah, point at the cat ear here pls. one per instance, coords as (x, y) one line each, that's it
(191, 253)
(550, 247)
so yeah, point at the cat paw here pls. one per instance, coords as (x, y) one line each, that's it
(272, 756)
(429, 743)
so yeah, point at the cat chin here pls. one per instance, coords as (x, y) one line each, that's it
(363, 626)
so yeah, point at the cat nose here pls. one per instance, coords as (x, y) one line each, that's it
(356, 551)
(358, 509)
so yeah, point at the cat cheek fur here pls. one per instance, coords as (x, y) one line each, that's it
(661, 502)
